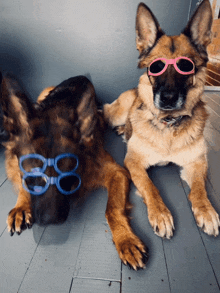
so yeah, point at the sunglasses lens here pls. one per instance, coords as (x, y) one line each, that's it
(69, 183)
(35, 183)
(185, 65)
(157, 67)
(29, 164)
(67, 164)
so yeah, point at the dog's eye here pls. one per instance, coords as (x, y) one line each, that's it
(157, 66)
(185, 65)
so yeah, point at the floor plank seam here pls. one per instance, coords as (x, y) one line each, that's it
(79, 248)
(98, 279)
(3, 182)
(71, 284)
(214, 126)
(3, 231)
(31, 260)
(168, 276)
(121, 279)
(213, 101)
(209, 259)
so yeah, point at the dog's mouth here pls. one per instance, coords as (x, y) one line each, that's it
(169, 101)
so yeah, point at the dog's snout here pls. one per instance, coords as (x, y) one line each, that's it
(48, 211)
(168, 99)
(168, 95)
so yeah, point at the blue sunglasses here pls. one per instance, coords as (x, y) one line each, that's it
(42, 181)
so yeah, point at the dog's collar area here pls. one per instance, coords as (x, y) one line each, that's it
(170, 121)
(36, 182)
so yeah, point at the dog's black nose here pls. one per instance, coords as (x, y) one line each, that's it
(168, 95)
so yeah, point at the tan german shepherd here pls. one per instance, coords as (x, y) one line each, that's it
(163, 119)
(54, 152)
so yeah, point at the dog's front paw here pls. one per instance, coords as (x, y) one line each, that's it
(132, 252)
(120, 129)
(207, 219)
(161, 221)
(19, 218)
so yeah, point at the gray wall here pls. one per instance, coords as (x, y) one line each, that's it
(46, 41)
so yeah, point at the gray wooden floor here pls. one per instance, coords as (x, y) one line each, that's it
(79, 255)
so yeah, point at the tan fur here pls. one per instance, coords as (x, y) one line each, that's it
(44, 93)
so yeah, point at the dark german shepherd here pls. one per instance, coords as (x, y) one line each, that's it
(55, 151)
(163, 119)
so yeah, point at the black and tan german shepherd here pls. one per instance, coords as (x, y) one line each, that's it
(63, 132)
(163, 119)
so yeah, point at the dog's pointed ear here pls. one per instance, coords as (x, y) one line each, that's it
(16, 107)
(148, 30)
(87, 113)
(199, 26)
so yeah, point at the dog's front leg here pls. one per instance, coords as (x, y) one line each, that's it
(20, 217)
(159, 216)
(130, 248)
(206, 217)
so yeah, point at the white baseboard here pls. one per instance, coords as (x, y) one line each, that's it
(212, 88)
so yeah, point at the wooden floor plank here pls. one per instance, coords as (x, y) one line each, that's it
(212, 244)
(115, 146)
(154, 277)
(214, 169)
(187, 261)
(56, 255)
(212, 103)
(15, 256)
(98, 257)
(212, 136)
(94, 286)
(213, 118)
(215, 96)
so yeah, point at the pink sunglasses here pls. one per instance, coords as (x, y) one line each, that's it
(183, 65)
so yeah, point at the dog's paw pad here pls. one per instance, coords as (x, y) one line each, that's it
(19, 219)
(133, 253)
(207, 219)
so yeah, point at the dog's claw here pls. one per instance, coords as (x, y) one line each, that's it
(207, 219)
(133, 253)
(11, 233)
(162, 222)
(19, 219)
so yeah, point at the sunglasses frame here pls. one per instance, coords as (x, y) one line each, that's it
(173, 62)
(39, 172)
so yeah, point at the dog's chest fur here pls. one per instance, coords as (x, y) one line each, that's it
(158, 142)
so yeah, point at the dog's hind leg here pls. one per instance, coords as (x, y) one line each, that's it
(130, 248)
(205, 215)
(116, 113)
